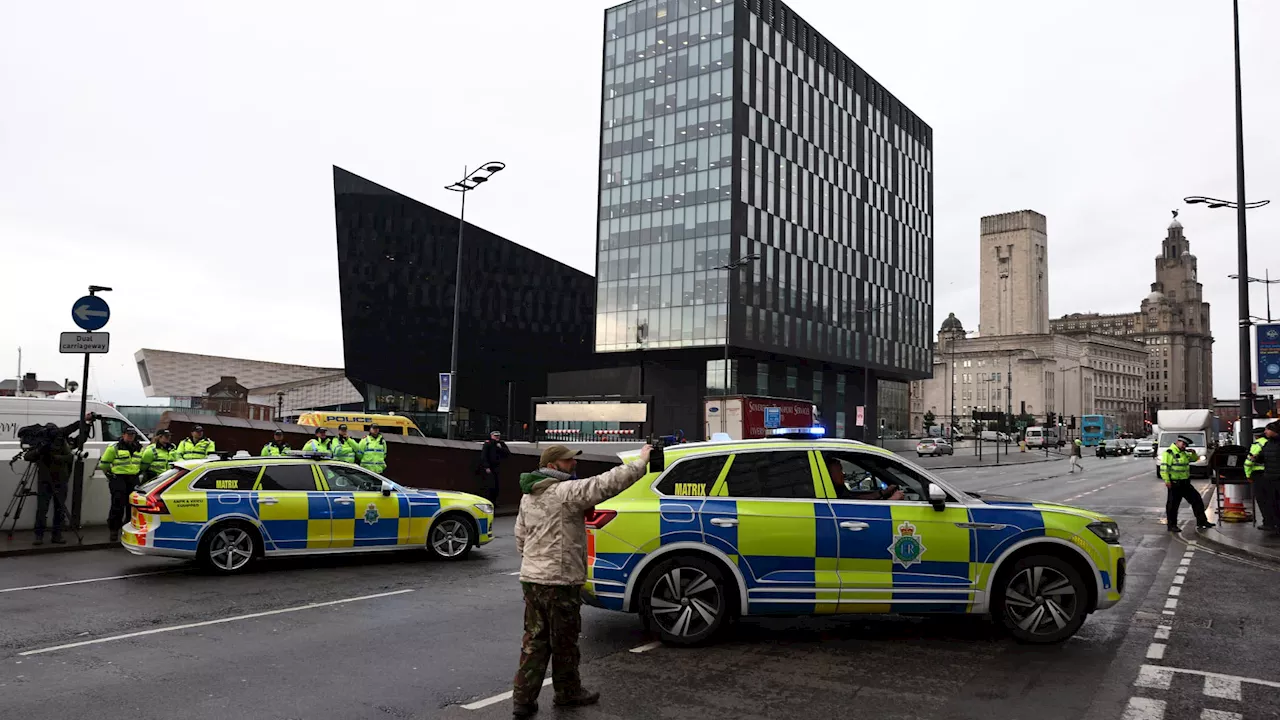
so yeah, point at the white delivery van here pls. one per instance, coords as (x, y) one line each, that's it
(19, 412)
(1195, 426)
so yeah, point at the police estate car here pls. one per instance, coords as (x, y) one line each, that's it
(228, 512)
(807, 526)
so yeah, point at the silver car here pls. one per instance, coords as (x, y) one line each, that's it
(1145, 448)
(934, 447)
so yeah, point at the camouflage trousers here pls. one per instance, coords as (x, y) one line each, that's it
(552, 622)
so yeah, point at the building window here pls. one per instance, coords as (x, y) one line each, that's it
(817, 387)
(762, 378)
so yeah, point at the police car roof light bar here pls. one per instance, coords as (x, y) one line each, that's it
(310, 455)
(808, 433)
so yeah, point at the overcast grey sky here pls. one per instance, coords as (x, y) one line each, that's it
(180, 152)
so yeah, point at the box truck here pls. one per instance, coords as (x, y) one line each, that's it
(1196, 426)
(744, 417)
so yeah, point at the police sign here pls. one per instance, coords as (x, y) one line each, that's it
(84, 342)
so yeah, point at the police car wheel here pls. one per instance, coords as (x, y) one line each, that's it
(1042, 600)
(451, 538)
(229, 548)
(685, 600)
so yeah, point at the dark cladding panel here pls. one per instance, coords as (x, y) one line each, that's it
(522, 312)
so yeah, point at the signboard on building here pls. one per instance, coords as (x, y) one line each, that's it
(1268, 349)
(446, 392)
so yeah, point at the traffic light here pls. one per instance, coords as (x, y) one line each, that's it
(1050, 419)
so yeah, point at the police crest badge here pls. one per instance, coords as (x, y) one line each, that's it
(907, 547)
(371, 514)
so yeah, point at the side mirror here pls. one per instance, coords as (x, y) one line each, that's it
(937, 497)
(387, 487)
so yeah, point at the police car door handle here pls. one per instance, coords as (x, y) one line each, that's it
(854, 525)
(345, 501)
(268, 500)
(980, 526)
(724, 522)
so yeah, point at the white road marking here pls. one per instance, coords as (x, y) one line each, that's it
(1154, 677)
(1182, 571)
(514, 573)
(646, 647)
(1175, 590)
(1179, 579)
(1189, 554)
(89, 580)
(1171, 604)
(1184, 561)
(1225, 688)
(1162, 632)
(1141, 708)
(219, 621)
(1207, 714)
(496, 698)
(1155, 651)
(1168, 612)
(1222, 676)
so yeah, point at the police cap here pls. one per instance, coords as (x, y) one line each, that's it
(1274, 427)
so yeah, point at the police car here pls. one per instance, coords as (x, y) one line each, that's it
(229, 511)
(803, 525)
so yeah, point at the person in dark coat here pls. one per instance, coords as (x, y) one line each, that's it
(492, 453)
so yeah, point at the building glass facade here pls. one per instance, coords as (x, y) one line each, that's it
(733, 129)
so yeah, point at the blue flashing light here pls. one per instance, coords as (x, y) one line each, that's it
(808, 433)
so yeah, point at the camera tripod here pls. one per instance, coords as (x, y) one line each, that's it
(24, 490)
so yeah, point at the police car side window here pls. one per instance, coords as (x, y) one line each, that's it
(288, 477)
(691, 478)
(350, 479)
(237, 478)
(860, 474)
(770, 475)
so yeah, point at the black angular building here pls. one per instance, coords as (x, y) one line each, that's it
(759, 192)
(396, 272)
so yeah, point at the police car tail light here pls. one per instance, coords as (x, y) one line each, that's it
(152, 503)
(597, 519)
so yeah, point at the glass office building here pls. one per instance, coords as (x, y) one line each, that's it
(759, 190)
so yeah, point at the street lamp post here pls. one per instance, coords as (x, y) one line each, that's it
(728, 306)
(1266, 280)
(866, 369)
(469, 182)
(952, 378)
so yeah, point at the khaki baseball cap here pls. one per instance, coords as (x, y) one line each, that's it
(556, 452)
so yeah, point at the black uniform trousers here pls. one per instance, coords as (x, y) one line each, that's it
(121, 486)
(51, 488)
(1177, 491)
(1266, 490)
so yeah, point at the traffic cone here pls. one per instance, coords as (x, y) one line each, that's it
(1233, 510)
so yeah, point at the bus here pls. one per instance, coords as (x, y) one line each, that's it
(1097, 428)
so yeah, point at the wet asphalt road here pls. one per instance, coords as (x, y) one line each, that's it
(403, 637)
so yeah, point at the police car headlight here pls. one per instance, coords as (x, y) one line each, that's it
(485, 508)
(1108, 531)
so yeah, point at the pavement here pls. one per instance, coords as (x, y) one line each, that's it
(105, 633)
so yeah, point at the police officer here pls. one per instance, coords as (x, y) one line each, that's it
(196, 447)
(277, 446)
(122, 463)
(160, 455)
(1263, 468)
(373, 450)
(344, 448)
(319, 443)
(1175, 470)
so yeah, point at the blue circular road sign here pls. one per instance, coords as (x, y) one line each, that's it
(90, 313)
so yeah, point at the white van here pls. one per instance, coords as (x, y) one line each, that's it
(19, 412)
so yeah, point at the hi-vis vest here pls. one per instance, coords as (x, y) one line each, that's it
(122, 461)
(373, 453)
(1175, 464)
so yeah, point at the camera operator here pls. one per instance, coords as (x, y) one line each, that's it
(122, 463)
(46, 448)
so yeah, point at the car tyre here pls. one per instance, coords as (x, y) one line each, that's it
(451, 538)
(1042, 600)
(229, 548)
(686, 601)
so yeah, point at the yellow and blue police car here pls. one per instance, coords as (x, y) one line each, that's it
(227, 512)
(804, 525)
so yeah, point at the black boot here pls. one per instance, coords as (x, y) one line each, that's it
(579, 699)
(115, 536)
(39, 539)
(58, 539)
(522, 710)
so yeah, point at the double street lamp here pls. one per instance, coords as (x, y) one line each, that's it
(469, 182)
(734, 265)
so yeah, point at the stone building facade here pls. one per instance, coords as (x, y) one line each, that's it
(1014, 274)
(1172, 324)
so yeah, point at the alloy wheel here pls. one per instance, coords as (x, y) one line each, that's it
(685, 601)
(1040, 600)
(450, 538)
(231, 549)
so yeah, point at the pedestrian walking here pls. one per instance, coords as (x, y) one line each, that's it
(277, 446)
(196, 447)
(344, 448)
(122, 464)
(372, 450)
(1263, 468)
(319, 443)
(552, 541)
(492, 453)
(1075, 457)
(1175, 470)
(160, 455)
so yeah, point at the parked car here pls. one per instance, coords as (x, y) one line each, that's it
(1111, 448)
(1145, 448)
(934, 447)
